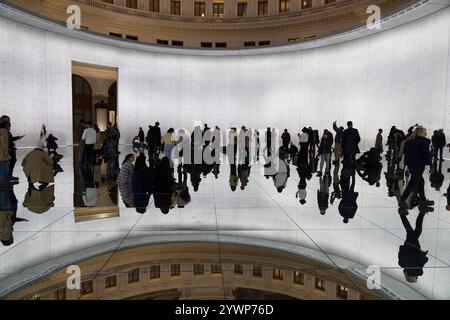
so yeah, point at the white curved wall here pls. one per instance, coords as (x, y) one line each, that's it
(395, 77)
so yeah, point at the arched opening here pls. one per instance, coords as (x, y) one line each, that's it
(82, 105)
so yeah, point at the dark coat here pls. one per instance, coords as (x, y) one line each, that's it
(439, 140)
(155, 135)
(350, 141)
(348, 205)
(141, 184)
(51, 142)
(326, 144)
(417, 153)
(412, 259)
(164, 189)
(286, 138)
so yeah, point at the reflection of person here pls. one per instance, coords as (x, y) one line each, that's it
(124, 180)
(8, 215)
(164, 186)
(39, 201)
(447, 195)
(323, 193)
(142, 182)
(38, 167)
(348, 205)
(6, 219)
(410, 256)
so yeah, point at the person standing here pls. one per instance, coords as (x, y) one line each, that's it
(5, 157)
(350, 144)
(379, 142)
(11, 147)
(90, 138)
(441, 143)
(325, 151)
(112, 150)
(257, 145)
(286, 140)
(417, 156)
(155, 139)
(80, 129)
(141, 135)
(169, 142)
(337, 142)
(269, 142)
(304, 143)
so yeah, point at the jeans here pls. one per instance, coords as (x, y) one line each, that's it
(168, 153)
(325, 157)
(4, 171)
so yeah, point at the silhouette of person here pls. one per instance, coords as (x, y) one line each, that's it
(410, 256)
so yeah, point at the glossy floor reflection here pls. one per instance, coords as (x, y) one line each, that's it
(48, 233)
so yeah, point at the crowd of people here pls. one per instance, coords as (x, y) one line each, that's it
(162, 162)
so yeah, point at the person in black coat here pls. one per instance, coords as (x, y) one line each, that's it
(439, 144)
(155, 138)
(141, 184)
(350, 144)
(417, 156)
(51, 143)
(141, 135)
(410, 256)
(164, 186)
(447, 195)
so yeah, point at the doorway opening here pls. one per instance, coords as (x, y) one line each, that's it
(95, 161)
(94, 97)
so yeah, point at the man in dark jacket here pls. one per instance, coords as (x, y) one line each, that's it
(350, 144)
(417, 156)
(439, 142)
(155, 138)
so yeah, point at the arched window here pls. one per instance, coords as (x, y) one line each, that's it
(80, 86)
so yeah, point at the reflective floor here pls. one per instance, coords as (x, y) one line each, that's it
(82, 215)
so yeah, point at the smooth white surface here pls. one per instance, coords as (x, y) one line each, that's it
(258, 215)
(399, 76)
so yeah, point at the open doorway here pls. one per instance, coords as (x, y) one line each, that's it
(95, 149)
(94, 97)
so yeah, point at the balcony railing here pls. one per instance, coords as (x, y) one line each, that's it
(180, 18)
